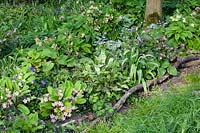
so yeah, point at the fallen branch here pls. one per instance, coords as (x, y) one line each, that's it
(178, 64)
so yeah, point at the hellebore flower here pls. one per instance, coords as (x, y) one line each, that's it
(197, 8)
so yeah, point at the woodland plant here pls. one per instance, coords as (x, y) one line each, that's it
(184, 29)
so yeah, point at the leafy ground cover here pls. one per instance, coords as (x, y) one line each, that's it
(174, 110)
(61, 60)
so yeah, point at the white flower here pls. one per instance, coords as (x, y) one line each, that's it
(54, 104)
(193, 14)
(46, 99)
(1, 97)
(9, 95)
(20, 84)
(120, 18)
(10, 102)
(184, 20)
(7, 90)
(192, 25)
(28, 99)
(15, 94)
(178, 17)
(63, 118)
(4, 105)
(25, 101)
(62, 108)
(20, 76)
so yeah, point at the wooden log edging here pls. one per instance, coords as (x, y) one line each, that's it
(178, 64)
(150, 83)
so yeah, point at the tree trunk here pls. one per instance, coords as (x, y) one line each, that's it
(153, 11)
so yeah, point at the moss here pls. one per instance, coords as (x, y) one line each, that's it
(153, 18)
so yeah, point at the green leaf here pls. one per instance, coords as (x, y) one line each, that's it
(172, 70)
(77, 85)
(161, 72)
(51, 91)
(25, 90)
(97, 69)
(49, 52)
(102, 57)
(47, 66)
(144, 85)
(131, 71)
(110, 62)
(177, 36)
(9, 83)
(80, 100)
(38, 128)
(23, 109)
(46, 105)
(61, 38)
(62, 60)
(165, 64)
(139, 73)
(68, 88)
(33, 118)
(86, 48)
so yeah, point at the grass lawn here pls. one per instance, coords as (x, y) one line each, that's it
(175, 110)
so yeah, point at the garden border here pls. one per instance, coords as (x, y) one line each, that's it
(181, 62)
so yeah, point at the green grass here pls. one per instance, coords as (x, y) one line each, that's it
(163, 112)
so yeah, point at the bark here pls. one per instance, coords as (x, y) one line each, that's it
(153, 11)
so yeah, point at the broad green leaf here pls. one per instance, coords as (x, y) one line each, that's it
(25, 90)
(110, 62)
(165, 64)
(67, 104)
(9, 83)
(47, 66)
(102, 57)
(37, 127)
(68, 89)
(161, 72)
(61, 38)
(62, 60)
(71, 62)
(77, 85)
(177, 36)
(133, 72)
(46, 105)
(139, 73)
(45, 112)
(97, 69)
(31, 79)
(49, 52)
(33, 118)
(80, 100)
(86, 48)
(51, 91)
(172, 70)
(23, 109)
(27, 75)
(144, 85)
